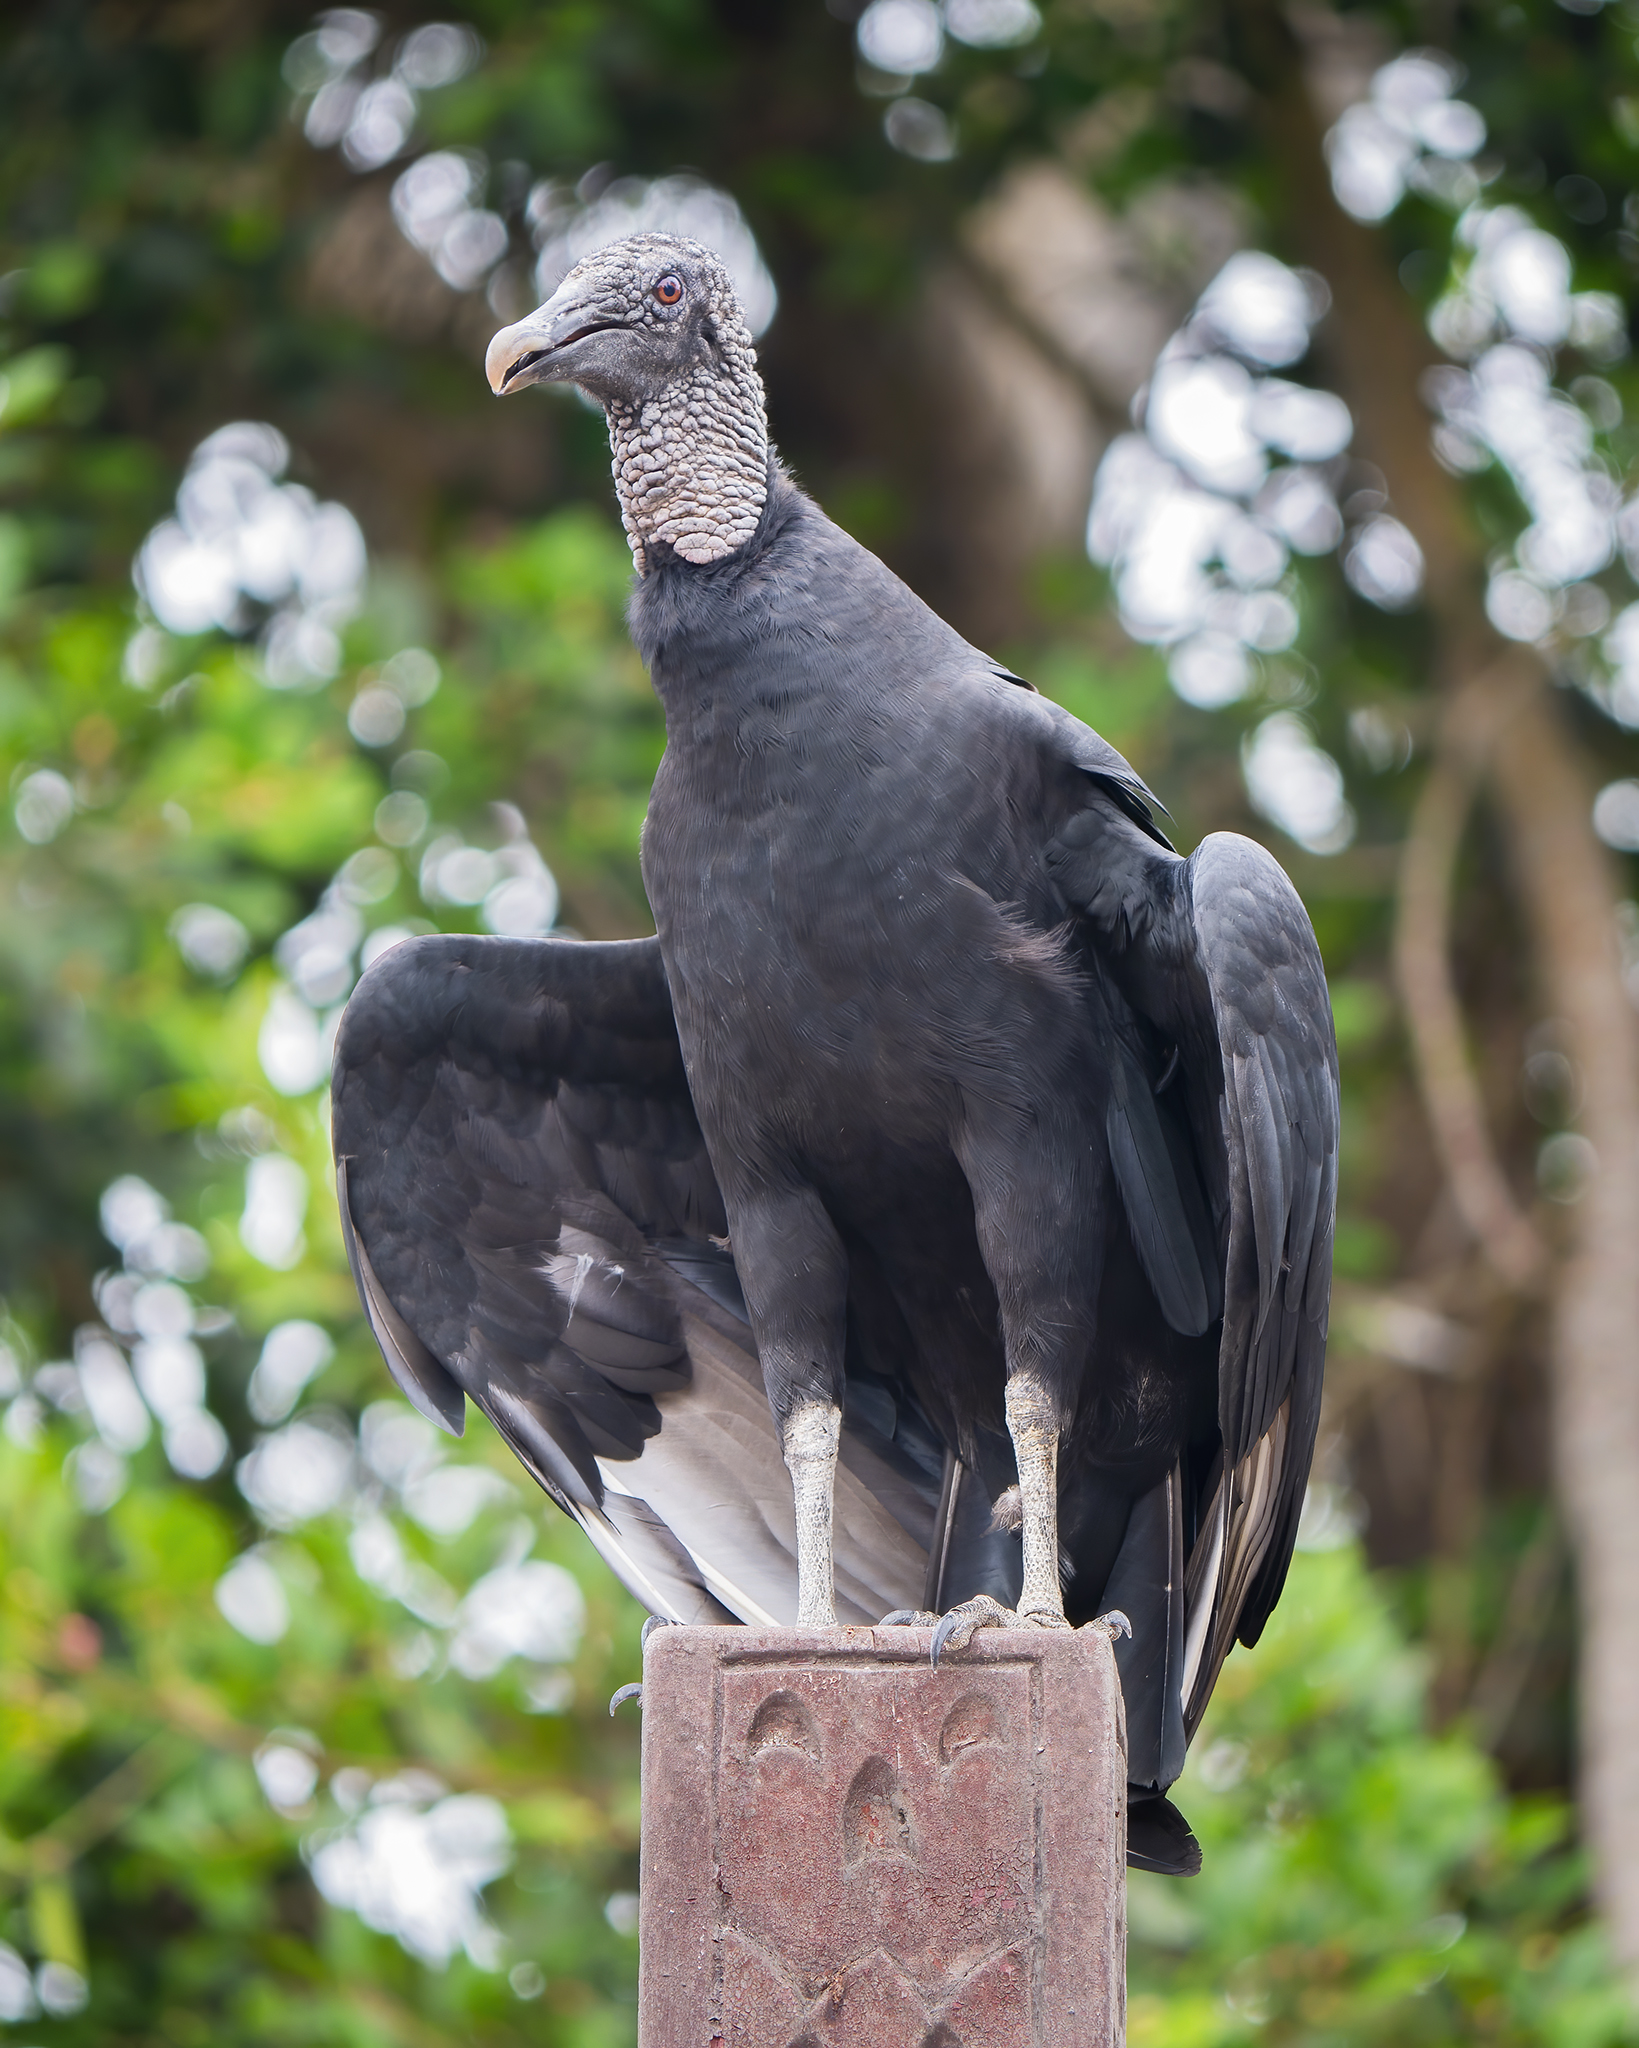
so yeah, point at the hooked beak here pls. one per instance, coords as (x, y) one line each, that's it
(526, 352)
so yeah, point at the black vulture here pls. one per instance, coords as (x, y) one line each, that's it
(937, 1214)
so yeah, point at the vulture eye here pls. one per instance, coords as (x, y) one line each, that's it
(669, 290)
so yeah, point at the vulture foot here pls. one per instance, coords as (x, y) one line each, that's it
(909, 1617)
(635, 1692)
(959, 1626)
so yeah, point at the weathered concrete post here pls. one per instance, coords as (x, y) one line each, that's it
(843, 1848)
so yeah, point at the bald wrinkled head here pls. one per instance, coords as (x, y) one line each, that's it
(650, 327)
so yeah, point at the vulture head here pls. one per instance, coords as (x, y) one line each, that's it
(651, 329)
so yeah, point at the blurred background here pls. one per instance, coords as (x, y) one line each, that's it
(1256, 381)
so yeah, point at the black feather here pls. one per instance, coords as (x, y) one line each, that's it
(1147, 1174)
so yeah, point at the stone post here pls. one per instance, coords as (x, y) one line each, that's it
(844, 1848)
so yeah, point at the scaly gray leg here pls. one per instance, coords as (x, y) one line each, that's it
(1033, 1425)
(809, 1443)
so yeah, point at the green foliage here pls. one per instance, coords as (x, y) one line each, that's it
(1365, 1879)
(137, 1845)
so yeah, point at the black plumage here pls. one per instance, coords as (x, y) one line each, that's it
(948, 1096)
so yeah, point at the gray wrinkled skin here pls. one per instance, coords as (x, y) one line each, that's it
(691, 464)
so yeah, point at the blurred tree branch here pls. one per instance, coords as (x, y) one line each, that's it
(1501, 1678)
(1422, 958)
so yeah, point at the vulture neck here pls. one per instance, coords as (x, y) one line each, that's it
(691, 464)
(703, 630)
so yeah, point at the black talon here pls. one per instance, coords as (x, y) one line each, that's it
(619, 1699)
(1117, 1624)
(654, 1621)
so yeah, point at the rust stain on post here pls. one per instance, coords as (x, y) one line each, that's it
(843, 1848)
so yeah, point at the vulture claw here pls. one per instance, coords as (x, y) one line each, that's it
(654, 1621)
(909, 1617)
(619, 1699)
(957, 1629)
(1114, 1624)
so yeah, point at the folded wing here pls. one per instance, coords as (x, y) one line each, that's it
(1217, 955)
(1276, 1111)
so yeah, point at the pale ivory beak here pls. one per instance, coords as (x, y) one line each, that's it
(522, 353)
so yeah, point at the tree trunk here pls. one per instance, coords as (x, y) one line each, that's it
(1564, 878)
(1422, 964)
(1568, 890)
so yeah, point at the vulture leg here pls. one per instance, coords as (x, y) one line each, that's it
(1032, 1422)
(1045, 1258)
(809, 1438)
(795, 1273)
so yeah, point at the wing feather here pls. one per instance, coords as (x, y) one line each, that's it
(1271, 1017)
(1153, 1194)
(1217, 952)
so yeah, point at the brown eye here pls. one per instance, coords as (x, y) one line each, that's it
(669, 290)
